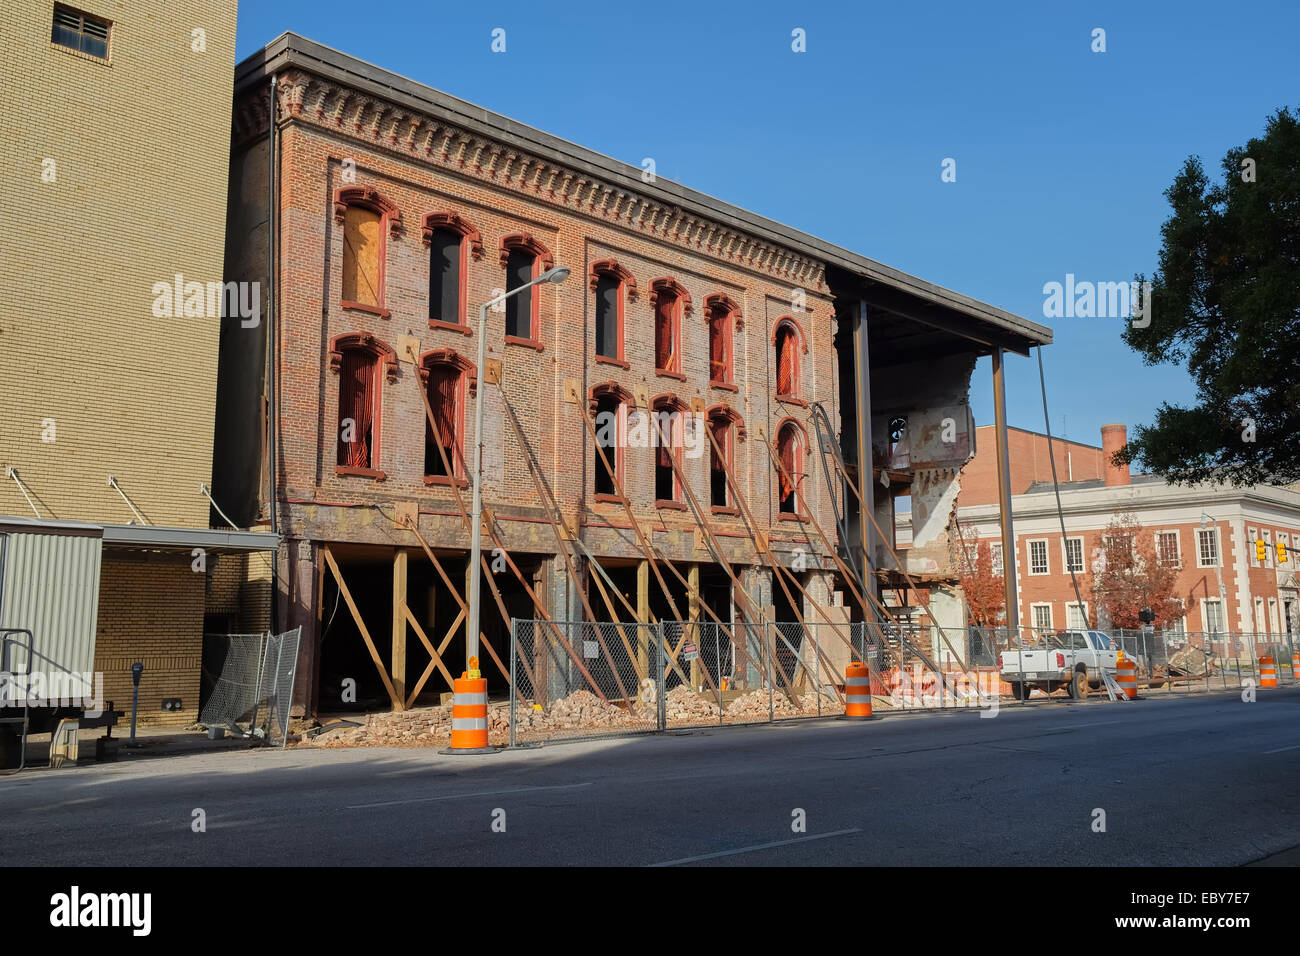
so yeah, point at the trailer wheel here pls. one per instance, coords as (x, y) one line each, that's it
(1078, 688)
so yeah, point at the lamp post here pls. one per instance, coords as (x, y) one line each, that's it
(1206, 520)
(557, 275)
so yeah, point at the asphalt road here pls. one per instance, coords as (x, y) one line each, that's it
(1201, 781)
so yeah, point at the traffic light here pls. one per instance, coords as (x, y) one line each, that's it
(1261, 551)
(1281, 553)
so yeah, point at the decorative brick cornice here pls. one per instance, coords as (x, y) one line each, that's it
(306, 98)
(453, 358)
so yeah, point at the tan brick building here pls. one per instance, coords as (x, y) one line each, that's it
(399, 209)
(115, 153)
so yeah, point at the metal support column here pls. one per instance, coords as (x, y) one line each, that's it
(866, 482)
(1004, 490)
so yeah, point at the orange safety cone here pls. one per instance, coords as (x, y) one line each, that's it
(469, 724)
(857, 691)
(1295, 665)
(1267, 672)
(1126, 677)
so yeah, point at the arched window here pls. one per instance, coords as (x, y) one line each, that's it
(613, 286)
(788, 346)
(368, 220)
(667, 435)
(524, 259)
(723, 316)
(450, 240)
(357, 359)
(448, 380)
(790, 448)
(726, 427)
(609, 406)
(670, 300)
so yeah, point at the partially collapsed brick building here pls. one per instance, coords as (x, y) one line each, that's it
(397, 210)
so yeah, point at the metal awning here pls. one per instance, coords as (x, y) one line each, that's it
(153, 538)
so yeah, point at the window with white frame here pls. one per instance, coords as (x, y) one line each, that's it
(1252, 535)
(1284, 542)
(1076, 615)
(1176, 629)
(1038, 557)
(1261, 625)
(1274, 624)
(1074, 555)
(1042, 616)
(1212, 614)
(996, 550)
(1168, 550)
(1268, 547)
(1207, 547)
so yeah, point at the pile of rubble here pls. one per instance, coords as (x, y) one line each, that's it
(422, 727)
(682, 703)
(755, 705)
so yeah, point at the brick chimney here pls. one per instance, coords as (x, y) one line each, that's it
(1113, 438)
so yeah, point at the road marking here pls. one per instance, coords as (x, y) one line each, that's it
(461, 796)
(1282, 749)
(757, 846)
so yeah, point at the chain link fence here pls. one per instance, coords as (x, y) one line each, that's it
(247, 683)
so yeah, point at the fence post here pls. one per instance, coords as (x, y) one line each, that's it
(661, 704)
(770, 674)
(514, 652)
(817, 662)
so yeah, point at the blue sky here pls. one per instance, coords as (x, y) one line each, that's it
(1062, 154)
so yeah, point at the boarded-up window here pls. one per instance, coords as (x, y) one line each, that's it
(787, 362)
(787, 448)
(519, 308)
(361, 251)
(358, 399)
(720, 428)
(608, 289)
(444, 399)
(445, 276)
(667, 352)
(720, 345)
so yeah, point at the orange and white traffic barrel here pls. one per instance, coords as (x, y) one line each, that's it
(1295, 665)
(857, 691)
(1267, 672)
(469, 718)
(1126, 677)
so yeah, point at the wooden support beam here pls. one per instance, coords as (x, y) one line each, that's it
(400, 614)
(643, 609)
(361, 626)
(435, 655)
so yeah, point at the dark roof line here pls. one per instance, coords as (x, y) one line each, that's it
(289, 50)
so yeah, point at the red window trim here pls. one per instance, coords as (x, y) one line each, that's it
(542, 260)
(626, 403)
(725, 386)
(471, 244)
(735, 434)
(720, 302)
(605, 499)
(796, 331)
(682, 307)
(674, 405)
(451, 326)
(663, 505)
(467, 388)
(626, 292)
(390, 226)
(720, 510)
(802, 448)
(382, 353)
(605, 360)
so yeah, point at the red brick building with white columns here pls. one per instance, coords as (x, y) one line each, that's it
(1210, 533)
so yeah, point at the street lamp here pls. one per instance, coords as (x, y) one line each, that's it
(557, 275)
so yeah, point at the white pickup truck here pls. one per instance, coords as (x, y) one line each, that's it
(1069, 659)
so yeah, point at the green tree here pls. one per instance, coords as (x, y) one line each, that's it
(1225, 299)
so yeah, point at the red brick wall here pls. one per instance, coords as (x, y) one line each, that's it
(1029, 462)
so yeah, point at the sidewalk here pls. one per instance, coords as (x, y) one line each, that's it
(150, 742)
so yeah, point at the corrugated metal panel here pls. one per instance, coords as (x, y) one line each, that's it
(51, 587)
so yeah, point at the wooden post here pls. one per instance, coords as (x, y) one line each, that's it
(643, 613)
(693, 616)
(398, 663)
